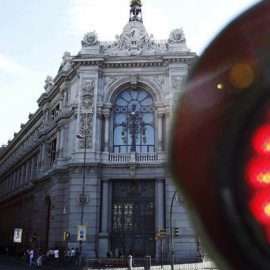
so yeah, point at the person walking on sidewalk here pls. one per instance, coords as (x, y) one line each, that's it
(31, 254)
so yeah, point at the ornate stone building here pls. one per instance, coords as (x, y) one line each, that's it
(95, 152)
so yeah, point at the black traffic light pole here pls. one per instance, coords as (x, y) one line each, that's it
(171, 228)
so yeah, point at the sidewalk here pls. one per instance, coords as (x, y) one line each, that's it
(60, 266)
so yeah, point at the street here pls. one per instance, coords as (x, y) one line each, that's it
(12, 265)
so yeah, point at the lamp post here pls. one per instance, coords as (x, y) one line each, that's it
(134, 126)
(83, 198)
(172, 250)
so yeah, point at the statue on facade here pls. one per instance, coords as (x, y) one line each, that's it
(177, 36)
(48, 83)
(67, 60)
(90, 39)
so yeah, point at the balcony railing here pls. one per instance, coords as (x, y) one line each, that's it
(127, 157)
(119, 157)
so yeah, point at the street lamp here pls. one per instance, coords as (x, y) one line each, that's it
(83, 198)
(171, 229)
(134, 126)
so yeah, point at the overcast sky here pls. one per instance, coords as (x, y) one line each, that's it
(35, 34)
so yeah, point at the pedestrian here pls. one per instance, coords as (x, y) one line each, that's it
(56, 256)
(51, 255)
(72, 255)
(31, 254)
(39, 260)
(77, 254)
(67, 253)
(120, 253)
(116, 253)
(36, 252)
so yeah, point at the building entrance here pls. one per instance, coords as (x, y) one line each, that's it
(133, 218)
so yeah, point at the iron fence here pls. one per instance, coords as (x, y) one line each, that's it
(148, 264)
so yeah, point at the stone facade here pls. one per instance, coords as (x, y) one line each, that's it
(42, 169)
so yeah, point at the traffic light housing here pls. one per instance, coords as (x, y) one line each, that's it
(176, 231)
(66, 236)
(220, 148)
(34, 238)
(162, 232)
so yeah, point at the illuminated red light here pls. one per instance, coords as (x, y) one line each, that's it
(261, 140)
(258, 172)
(260, 206)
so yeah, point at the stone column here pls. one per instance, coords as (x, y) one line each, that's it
(59, 141)
(13, 181)
(105, 208)
(43, 156)
(32, 168)
(167, 125)
(22, 175)
(160, 203)
(104, 235)
(160, 212)
(106, 132)
(27, 172)
(99, 130)
(159, 115)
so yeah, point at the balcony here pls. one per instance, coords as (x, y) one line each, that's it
(136, 157)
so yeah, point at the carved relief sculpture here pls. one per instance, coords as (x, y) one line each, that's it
(177, 83)
(134, 40)
(90, 39)
(177, 36)
(87, 112)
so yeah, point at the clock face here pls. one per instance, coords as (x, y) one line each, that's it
(134, 31)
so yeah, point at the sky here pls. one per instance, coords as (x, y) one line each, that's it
(35, 34)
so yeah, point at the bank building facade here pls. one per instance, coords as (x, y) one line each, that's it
(95, 151)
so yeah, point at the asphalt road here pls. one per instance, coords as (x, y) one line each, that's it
(12, 265)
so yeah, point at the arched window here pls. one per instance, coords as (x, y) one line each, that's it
(134, 118)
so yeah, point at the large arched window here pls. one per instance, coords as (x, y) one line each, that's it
(134, 118)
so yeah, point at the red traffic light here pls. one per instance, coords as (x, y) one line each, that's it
(220, 146)
(34, 237)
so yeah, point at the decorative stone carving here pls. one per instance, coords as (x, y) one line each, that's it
(87, 103)
(48, 83)
(87, 112)
(65, 98)
(86, 129)
(134, 80)
(160, 79)
(67, 61)
(88, 86)
(177, 36)
(90, 39)
(133, 41)
(177, 83)
(132, 172)
(109, 81)
(180, 199)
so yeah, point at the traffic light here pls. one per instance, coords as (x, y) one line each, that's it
(66, 236)
(34, 238)
(220, 145)
(162, 232)
(176, 231)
